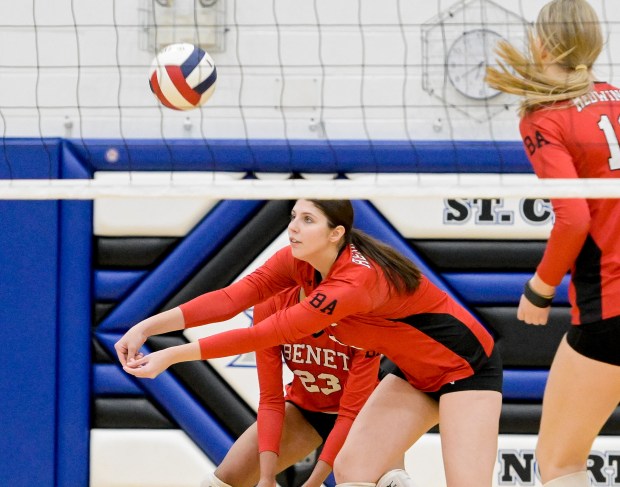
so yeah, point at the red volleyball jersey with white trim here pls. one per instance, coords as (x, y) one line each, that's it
(581, 139)
(427, 334)
(328, 377)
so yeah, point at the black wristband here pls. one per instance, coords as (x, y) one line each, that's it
(535, 298)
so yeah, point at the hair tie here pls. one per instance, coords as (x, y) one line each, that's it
(580, 67)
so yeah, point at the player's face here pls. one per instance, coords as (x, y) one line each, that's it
(308, 231)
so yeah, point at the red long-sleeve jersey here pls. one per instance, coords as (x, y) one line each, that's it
(581, 140)
(327, 377)
(430, 337)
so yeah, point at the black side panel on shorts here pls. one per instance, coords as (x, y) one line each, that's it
(440, 327)
(587, 280)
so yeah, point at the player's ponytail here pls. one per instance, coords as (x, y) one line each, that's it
(399, 271)
(567, 33)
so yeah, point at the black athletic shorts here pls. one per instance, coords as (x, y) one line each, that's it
(323, 423)
(599, 340)
(489, 378)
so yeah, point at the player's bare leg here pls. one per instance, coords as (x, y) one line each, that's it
(580, 396)
(392, 419)
(240, 467)
(469, 424)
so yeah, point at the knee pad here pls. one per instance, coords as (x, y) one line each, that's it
(356, 484)
(395, 478)
(578, 479)
(213, 481)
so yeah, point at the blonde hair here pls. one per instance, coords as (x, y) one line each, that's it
(568, 32)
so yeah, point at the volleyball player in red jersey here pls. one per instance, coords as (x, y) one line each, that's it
(331, 382)
(367, 295)
(570, 126)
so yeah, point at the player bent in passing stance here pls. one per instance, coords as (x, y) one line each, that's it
(369, 296)
(330, 384)
(570, 126)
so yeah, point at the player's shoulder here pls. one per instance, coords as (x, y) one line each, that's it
(352, 261)
(283, 259)
(283, 253)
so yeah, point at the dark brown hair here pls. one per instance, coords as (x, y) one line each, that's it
(401, 273)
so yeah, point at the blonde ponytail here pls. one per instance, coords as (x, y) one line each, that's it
(567, 34)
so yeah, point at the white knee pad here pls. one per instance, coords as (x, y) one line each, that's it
(213, 481)
(356, 484)
(395, 478)
(578, 479)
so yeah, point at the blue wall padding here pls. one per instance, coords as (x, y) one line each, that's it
(222, 222)
(525, 384)
(303, 155)
(497, 288)
(29, 158)
(28, 321)
(28, 328)
(114, 285)
(74, 342)
(111, 379)
(183, 408)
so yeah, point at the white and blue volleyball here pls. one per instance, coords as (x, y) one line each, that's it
(183, 76)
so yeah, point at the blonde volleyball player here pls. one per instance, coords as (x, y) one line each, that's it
(570, 124)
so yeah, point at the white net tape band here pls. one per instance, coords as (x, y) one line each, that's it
(362, 188)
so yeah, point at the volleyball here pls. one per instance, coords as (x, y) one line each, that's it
(182, 76)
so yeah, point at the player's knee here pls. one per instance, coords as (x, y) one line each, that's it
(356, 484)
(340, 466)
(577, 479)
(213, 481)
(553, 462)
(395, 478)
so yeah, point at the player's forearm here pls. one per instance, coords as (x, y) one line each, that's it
(319, 474)
(268, 465)
(183, 353)
(164, 322)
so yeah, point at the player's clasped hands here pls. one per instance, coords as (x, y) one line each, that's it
(148, 366)
(135, 362)
(128, 347)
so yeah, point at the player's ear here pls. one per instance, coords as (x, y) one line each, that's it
(337, 233)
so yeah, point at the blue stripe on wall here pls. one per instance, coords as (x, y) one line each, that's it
(336, 156)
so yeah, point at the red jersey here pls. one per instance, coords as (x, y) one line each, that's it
(429, 336)
(327, 377)
(581, 140)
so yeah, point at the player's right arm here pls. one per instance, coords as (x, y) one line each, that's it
(276, 274)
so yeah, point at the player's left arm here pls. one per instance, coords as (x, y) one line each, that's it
(325, 305)
(550, 158)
